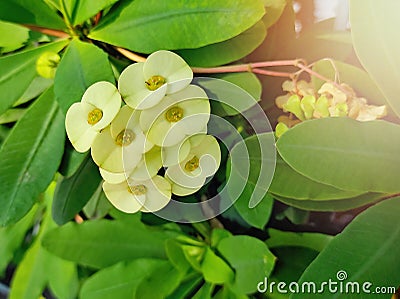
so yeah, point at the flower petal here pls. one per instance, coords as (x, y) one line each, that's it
(180, 190)
(158, 193)
(133, 88)
(148, 166)
(80, 133)
(112, 157)
(121, 198)
(175, 154)
(104, 96)
(178, 175)
(113, 177)
(172, 67)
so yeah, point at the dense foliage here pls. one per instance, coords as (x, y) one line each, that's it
(290, 139)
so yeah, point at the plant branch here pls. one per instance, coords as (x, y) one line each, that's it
(52, 32)
(130, 55)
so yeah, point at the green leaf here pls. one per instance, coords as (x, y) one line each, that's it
(204, 292)
(11, 238)
(332, 205)
(71, 161)
(357, 78)
(365, 250)
(176, 255)
(120, 280)
(39, 268)
(374, 28)
(290, 184)
(257, 216)
(273, 11)
(82, 65)
(98, 205)
(215, 270)
(345, 153)
(35, 12)
(251, 260)
(187, 287)
(228, 97)
(227, 51)
(177, 24)
(30, 157)
(252, 164)
(36, 88)
(292, 261)
(314, 241)
(12, 36)
(12, 115)
(19, 70)
(82, 10)
(101, 243)
(74, 192)
(160, 283)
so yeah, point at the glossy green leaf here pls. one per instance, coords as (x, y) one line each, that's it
(218, 234)
(227, 51)
(39, 268)
(12, 115)
(345, 153)
(120, 280)
(187, 287)
(332, 205)
(35, 12)
(177, 24)
(12, 36)
(273, 11)
(74, 192)
(101, 243)
(98, 205)
(252, 164)
(365, 251)
(176, 255)
(355, 77)
(292, 261)
(314, 241)
(257, 216)
(247, 81)
(30, 157)
(36, 88)
(18, 71)
(291, 184)
(82, 65)
(227, 293)
(227, 96)
(160, 283)
(374, 29)
(71, 161)
(11, 238)
(204, 292)
(81, 10)
(251, 260)
(215, 270)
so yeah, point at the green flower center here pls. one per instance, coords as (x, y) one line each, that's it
(155, 82)
(192, 164)
(125, 137)
(94, 116)
(174, 114)
(137, 189)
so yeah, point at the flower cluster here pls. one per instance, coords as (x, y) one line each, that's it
(154, 146)
(302, 103)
